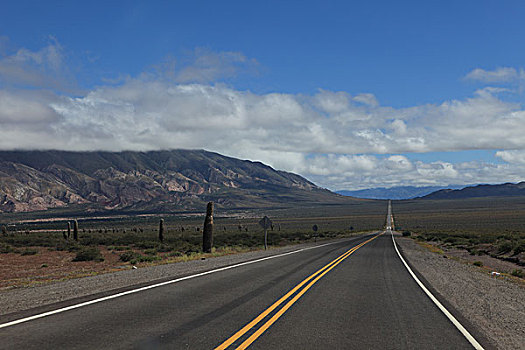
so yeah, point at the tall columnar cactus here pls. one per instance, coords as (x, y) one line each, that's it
(207, 233)
(161, 230)
(4, 230)
(68, 229)
(75, 230)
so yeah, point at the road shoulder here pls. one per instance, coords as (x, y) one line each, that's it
(494, 306)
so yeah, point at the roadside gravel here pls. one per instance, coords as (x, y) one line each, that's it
(19, 299)
(492, 304)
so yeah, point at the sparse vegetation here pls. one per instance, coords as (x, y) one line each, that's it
(129, 255)
(123, 233)
(134, 239)
(482, 226)
(477, 263)
(29, 251)
(6, 248)
(89, 254)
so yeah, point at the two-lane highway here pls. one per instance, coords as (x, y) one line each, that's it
(352, 294)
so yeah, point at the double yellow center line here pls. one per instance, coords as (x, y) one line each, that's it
(309, 282)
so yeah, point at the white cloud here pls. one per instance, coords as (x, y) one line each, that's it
(512, 156)
(44, 68)
(383, 172)
(203, 65)
(499, 75)
(26, 108)
(326, 136)
(368, 99)
(332, 137)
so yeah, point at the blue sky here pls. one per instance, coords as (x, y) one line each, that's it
(356, 94)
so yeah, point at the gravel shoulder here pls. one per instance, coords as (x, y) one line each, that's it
(25, 298)
(494, 305)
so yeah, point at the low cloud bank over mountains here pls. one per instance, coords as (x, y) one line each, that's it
(336, 139)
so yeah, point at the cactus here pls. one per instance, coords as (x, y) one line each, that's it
(75, 230)
(68, 229)
(161, 230)
(64, 234)
(207, 233)
(4, 230)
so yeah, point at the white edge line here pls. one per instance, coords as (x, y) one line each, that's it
(113, 296)
(452, 319)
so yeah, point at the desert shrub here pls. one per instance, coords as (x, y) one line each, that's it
(164, 248)
(406, 233)
(191, 251)
(150, 252)
(69, 246)
(146, 245)
(29, 251)
(451, 240)
(89, 254)
(478, 263)
(518, 273)
(129, 256)
(505, 247)
(148, 258)
(6, 248)
(74, 248)
(520, 247)
(478, 252)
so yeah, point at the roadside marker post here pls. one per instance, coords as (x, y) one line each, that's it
(315, 228)
(265, 224)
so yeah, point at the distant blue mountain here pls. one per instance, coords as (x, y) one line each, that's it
(400, 192)
(499, 190)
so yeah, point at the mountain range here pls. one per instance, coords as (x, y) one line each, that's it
(397, 193)
(178, 180)
(157, 180)
(502, 190)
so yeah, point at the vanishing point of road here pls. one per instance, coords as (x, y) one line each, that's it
(355, 293)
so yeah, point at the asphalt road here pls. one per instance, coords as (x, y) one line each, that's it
(366, 299)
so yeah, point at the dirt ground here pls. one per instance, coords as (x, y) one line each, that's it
(489, 263)
(18, 270)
